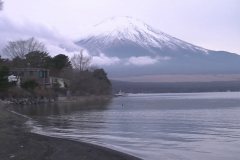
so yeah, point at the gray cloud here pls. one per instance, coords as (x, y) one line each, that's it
(11, 31)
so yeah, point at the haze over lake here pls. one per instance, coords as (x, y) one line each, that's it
(150, 126)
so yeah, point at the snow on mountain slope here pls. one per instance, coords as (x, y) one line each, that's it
(118, 30)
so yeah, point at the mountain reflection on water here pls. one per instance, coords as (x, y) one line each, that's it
(151, 126)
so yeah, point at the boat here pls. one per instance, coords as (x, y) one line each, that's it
(120, 94)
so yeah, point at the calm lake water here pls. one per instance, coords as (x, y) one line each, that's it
(150, 126)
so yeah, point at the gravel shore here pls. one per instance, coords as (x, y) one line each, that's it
(17, 143)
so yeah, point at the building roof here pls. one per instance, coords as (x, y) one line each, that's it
(29, 69)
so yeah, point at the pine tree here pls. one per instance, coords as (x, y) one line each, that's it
(4, 84)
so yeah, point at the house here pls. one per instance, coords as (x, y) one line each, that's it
(40, 75)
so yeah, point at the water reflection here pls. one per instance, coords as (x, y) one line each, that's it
(61, 108)
(62, 115)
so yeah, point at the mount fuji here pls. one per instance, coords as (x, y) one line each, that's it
(138, 49)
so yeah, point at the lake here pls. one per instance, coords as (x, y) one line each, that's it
(170, 126)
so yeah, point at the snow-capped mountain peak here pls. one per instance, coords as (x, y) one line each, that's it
(127, 29)
(121, 24)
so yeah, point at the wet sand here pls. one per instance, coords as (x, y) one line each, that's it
(17, 143)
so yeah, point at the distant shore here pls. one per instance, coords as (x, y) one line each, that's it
(16, 142)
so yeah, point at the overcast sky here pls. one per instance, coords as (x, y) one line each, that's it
(211, 24)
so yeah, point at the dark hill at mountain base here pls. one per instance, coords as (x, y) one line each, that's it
(186, 87)
(182, 78)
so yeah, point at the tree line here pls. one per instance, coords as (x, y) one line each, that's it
(82, 77)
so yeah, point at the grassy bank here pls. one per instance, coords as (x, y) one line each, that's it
(17, 143)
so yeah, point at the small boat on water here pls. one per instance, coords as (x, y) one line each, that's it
(120, 94)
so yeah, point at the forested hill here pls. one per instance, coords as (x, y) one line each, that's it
(186, 87)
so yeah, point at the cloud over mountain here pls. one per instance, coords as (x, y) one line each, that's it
(141, 61)
(103, 60)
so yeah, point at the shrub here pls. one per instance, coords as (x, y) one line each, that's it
(17, 92)
(30, 84)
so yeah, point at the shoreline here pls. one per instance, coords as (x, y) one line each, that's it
(16, 142)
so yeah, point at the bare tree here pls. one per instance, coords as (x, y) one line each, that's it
(1, 5)
(20, 48)
(81, 62)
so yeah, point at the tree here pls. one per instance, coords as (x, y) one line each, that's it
(61, 61)
(1, 5)
(1, 60)
(38, 59)
(20, 48)
(4, 72)
(83, 82)
(81, 62)
(4, 62)
(17, 63)
(101, 75)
